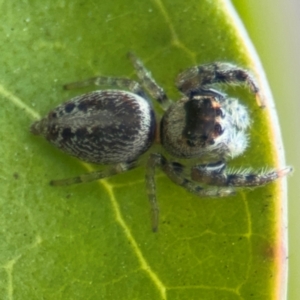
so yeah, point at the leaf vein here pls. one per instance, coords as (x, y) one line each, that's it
(18, 102)
(142, 260)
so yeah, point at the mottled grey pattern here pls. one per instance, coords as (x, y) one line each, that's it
(103, 127)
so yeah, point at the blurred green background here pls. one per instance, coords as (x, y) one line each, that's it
(274, 27)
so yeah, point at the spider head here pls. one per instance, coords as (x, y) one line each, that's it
(204, 126)
(203, 118)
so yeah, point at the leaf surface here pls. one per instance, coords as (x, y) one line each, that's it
(93, 241)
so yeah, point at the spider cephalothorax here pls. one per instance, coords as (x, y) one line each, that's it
(206, 127)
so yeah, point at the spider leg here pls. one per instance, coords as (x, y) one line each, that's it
(92, 176)
(149, 83)
(175, 171)
(199, 77)
(154, 160)
(119, 82)
(207, 92)
(209, 174)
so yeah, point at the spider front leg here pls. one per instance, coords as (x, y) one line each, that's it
(149, 83)
(215, 174)
(198, 79)
(120, 82)
(175, 171)
(92, 176)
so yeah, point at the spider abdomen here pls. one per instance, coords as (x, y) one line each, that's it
(103, 127)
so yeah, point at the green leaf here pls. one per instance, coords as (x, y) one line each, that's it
(93, 241)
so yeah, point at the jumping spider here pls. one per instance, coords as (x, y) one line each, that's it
(115, 127)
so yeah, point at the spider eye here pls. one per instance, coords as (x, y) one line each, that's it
(218, 129)
(219, 113)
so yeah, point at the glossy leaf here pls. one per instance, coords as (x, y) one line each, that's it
(93, 241)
